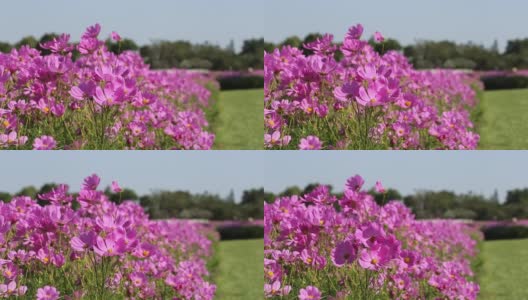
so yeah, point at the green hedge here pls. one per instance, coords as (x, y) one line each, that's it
(241, 232)
(504, 82)
(505, 232)
(241, 82)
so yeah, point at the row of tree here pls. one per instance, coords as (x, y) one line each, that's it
(425, 54)
(446, 204)
(176, 54)
(176, 204)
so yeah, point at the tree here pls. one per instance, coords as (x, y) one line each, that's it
(5, 197)
(5, 47)
(387, 45)
(293, 41)
(30, 41)
(389, 195)
(290, 191)
(121, 46)
(231, 197)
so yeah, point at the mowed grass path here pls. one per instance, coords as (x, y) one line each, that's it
(504, 122)
(240, 270)
(240, 124)
(504, 274)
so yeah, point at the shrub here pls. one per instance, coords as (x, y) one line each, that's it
(505, 232)
(505, 82)
(241, 82)
(241, 232)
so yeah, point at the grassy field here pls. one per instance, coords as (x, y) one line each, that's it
(503, 274)
(240, 124)
(504, 124)
(240, 271)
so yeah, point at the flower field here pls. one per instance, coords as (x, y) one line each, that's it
(320, 246)
(348, 96)
(81, 96)
(82, 246)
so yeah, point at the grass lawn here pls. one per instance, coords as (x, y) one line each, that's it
(504, 123)
(504, 272)
(240, 124)
(240, 270)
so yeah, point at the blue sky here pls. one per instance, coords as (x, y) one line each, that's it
(194, 20)
(481, 21)
(196, 171)
(219, 171)
(461, 171)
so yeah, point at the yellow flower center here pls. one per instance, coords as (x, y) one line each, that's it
(6, 123)
(374, 261)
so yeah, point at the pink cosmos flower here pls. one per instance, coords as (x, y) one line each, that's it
(322, 64)
(115, 36)
(310, 143)
(138, 279)
(91, 182)
(11, 289)
(378, 37)
(344, 253)
(370, 234)
(57, 195)
(106, 96)
(108, 247)
(144, 250)
(355, 32)
(275, 289)
(373, 258)
(92, 31)
(275, 139)
(309, 293)
(116, 188)
(47, 293)
(372, 96)
(44, 142)
(379, 188)
(59, 44)
(347, 92)
(355, 183)
(84, 241)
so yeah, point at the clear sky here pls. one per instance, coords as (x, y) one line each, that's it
(195, 20)
(197, 171)
(460, 171)
(219, 171)
(480, 21)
